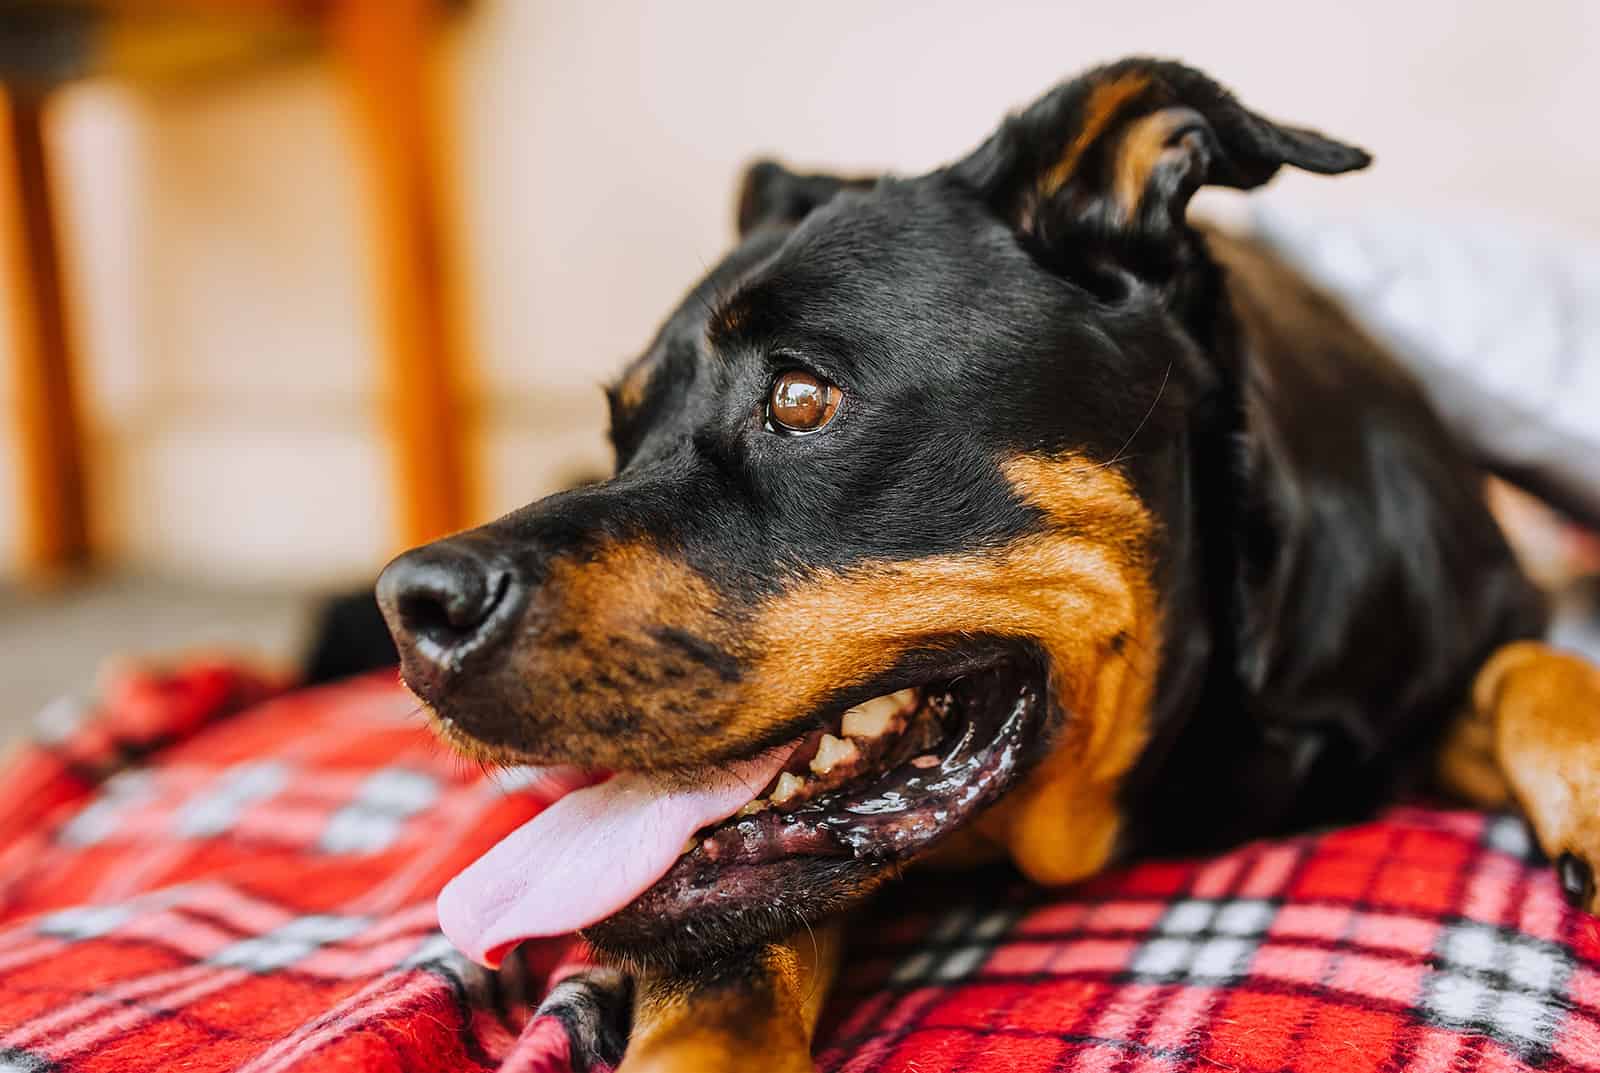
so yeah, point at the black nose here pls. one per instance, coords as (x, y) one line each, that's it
(444, 603)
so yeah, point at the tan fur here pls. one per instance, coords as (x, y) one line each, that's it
(1533, 732)
(616, 695)
(1536, 713)
(1467, 767)
(1081, 590)
(765, 1023)
(1139, 153)
(1105, 102)
(1073, 587)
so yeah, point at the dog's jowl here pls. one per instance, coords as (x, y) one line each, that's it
(998, 511)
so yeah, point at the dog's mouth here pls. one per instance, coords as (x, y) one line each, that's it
(804, 829)
(878, 785)
(884, 779)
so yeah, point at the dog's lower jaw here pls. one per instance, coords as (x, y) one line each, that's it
(757, 1014)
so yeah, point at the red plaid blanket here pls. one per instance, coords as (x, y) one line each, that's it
(193, 879)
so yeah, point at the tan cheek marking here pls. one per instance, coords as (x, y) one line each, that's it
(1099, 111)
(1087, 498)
(600, 667)
(835, 629)
(1062, 823)
(1081, 590)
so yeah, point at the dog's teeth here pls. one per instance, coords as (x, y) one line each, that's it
(689, 845)
(873, 718)
(831, 752)
(753, 807)
(869, 719)
(926, 760)
(788, 785)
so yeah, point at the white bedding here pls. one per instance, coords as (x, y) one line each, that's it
(1500, 322)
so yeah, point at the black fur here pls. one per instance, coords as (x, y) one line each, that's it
(1329, 574)
(595, 1007)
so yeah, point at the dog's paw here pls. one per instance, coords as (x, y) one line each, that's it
(595, 1006)
(1544, 708)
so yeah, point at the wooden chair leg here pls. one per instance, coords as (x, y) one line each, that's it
(384, 50)
(54, 507)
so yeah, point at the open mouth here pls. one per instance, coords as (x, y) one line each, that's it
(874, 787)
(886, 777)
(655, 867)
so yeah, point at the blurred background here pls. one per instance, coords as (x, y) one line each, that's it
(292, 284)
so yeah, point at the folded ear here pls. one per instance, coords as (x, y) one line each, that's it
(772, 195)
(1119, 152)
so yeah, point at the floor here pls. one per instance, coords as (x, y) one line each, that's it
(56, 641)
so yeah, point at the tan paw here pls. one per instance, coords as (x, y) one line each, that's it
(1544, 707)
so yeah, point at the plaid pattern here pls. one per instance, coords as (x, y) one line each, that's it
(188, 885)
(192, 878)
(1429, 942)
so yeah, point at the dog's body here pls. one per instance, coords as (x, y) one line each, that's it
(1140, 539)
(1371, 582)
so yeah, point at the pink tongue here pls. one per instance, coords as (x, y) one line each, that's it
(588, 855)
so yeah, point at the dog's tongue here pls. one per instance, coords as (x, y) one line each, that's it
(588, 855)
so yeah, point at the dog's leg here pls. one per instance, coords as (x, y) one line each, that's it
(755, 1016)
(594, 1005)
(1532, 736)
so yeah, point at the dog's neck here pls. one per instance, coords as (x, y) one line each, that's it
(1206, 655)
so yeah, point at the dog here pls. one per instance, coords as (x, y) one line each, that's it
(999, 512)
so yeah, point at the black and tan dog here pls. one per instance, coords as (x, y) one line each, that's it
(997, 511)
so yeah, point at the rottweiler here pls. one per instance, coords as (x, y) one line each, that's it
(997, 512)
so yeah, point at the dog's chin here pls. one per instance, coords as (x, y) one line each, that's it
(867, 791)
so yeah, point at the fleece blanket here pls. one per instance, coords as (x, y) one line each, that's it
(196, 875)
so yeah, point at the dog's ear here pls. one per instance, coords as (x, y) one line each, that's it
(772, 195)
(1116, 154)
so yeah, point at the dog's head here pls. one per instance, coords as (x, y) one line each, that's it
(902, 508)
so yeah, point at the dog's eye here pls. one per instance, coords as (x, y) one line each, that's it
(801, 402)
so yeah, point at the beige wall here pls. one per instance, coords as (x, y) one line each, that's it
(216, 239)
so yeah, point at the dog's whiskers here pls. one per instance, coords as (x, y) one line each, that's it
(1160, 391)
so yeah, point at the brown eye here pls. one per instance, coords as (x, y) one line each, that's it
(801, 402)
